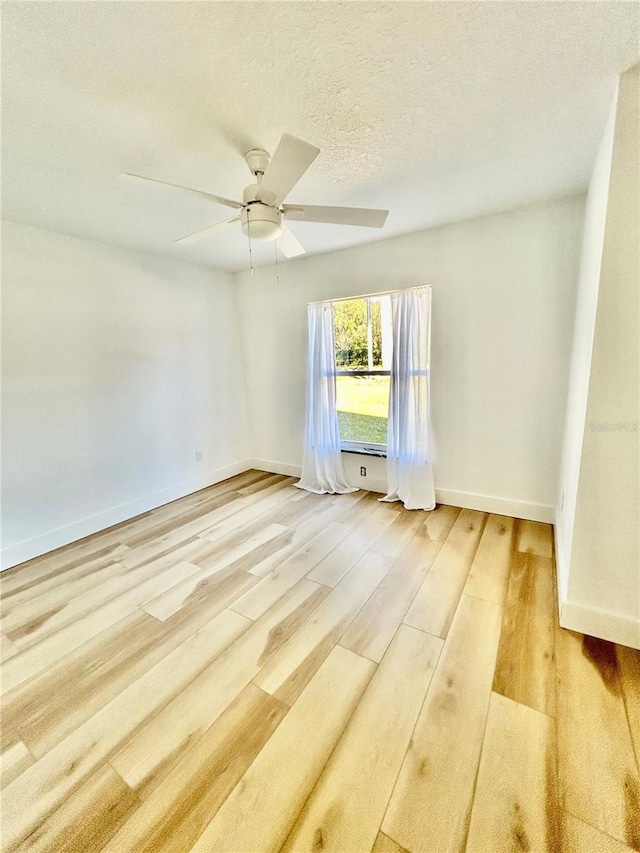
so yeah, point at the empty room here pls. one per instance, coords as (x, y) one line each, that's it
(320, 427)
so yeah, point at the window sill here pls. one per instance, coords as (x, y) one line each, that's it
(365, 451)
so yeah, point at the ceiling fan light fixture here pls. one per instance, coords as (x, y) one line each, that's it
(262, 214)
(261, 222)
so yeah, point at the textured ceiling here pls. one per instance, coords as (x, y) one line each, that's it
(436, 111)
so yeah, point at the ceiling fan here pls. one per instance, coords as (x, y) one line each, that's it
(262, 213)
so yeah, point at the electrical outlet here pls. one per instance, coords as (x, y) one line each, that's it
(199, 456)
(363, 471)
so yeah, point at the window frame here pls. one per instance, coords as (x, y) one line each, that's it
(365, 448)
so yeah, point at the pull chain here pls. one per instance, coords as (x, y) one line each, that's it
(249, 236)
(275, 248)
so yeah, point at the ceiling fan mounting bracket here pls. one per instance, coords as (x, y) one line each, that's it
(257, 161)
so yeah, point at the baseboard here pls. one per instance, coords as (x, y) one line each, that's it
(561, 567)
(466, 500)
(498, 506)
(276, 467)
(373, 485)
(30, 548)
(288, 470)
(585, 618)
(615, 627)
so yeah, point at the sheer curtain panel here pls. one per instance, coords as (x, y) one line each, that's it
(409, 456)
(322, 469)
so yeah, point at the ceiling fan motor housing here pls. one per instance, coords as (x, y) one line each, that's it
(261, 222)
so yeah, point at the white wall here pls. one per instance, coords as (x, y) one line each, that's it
(580, 371)
(602, 577)
(117, 367)
(503, 302)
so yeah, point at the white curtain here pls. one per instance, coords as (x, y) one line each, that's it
(322, 469)
(409, 446)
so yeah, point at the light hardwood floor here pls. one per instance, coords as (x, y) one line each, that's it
(255, 668)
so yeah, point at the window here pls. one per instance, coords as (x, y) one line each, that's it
(363, 341)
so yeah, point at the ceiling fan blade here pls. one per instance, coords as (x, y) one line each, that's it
(288, 244)
(204, 232)
(208, 196)
(291, 160)
(336, 215)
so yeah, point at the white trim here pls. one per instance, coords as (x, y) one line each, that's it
(30, 548)
(466, 500)
(500, 506)
(372, 485)
(268, 465)
(272, 467)
(615, 627)
(562, 573)
(585, 618)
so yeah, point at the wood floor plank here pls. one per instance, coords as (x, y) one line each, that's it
(45, 785)
(249, 545)
(256, 510)
(271, 588)
(135, 731)
(145, 759)
(221, 512)
(434, 790)
(354, 511)
(177, 534)
(43, 577)
(534, 537)
(7, 648)
(338, 563)
(525, 670)
(579, 837)
(203, 583)
(289, 671)
(232, 554)
(86, 821)
(178, 811)
(346, 806)
(438, 523)
(376, 624)
(435, 604)
(153, 524)
(629, 668)
(214, 499)
(293, 513)
(161, 538)
(13, 761)
(258, 815)
(384, 844)
(489, 574)
(399, 533)
(49, 707)
(38, 657)
(271, 480)
(139, 586)
(301, 536)
(22, 614)
(133, 531)
(597, 770)
(515, 806)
